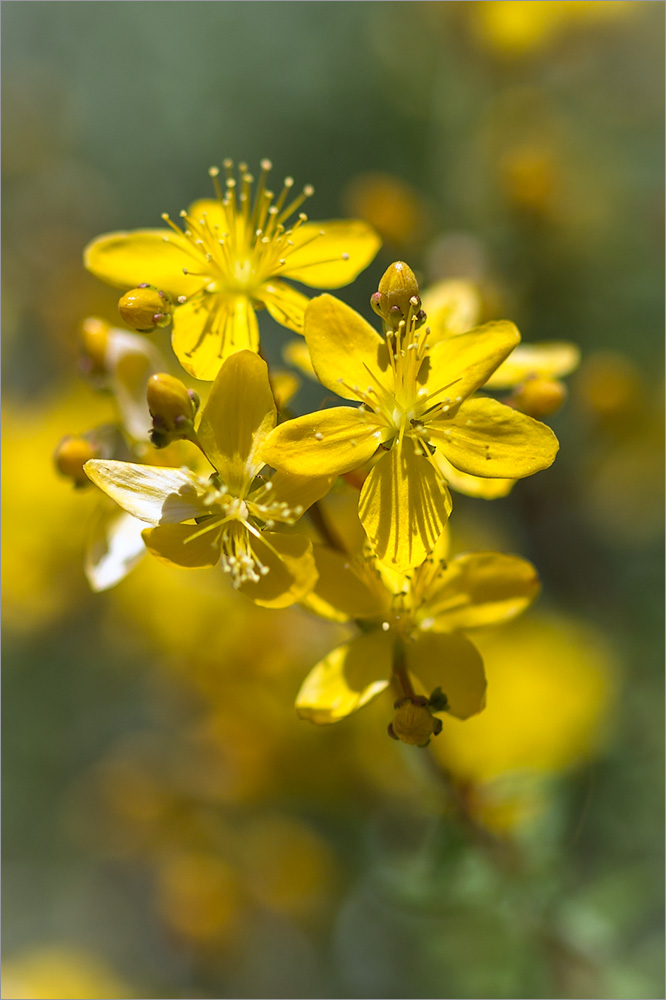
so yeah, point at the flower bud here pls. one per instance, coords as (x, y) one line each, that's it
(414, 722)
(71, 455)
(173, 407)
(145, 308)
(398, 295)
(94, 343)
(539, 397)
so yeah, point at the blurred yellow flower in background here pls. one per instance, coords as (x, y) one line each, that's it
(61, 972)
(515, 27)
(40, 549)
(399, 213)
(551, 684)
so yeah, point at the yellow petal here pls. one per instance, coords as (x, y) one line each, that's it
(297, 354)
(285, 497)
(462, 364)
(552, 359)
(291, 570)
(347, 679)
(472, 486)
(487, 438)
(186, 545)
(155, 495)
(330, 254)
(114, 546)
(209, 329)
(237, 418)
(483, 588)
(211, 209)
(285, 385)
(326, 443)
(156, 256)
(453, 663)
(347, 354)
(452, 307)
(404, 506)
(284, 303)
(346, 588)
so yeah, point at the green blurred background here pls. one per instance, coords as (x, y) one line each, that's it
(171, 828)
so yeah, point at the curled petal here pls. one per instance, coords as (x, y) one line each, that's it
(326, 443)
(483, 588)
(153, 494)
(114, 547)
(330, 254)
(347, 679)
(452, 663)
(404, 506)
(156, 256)
(487, 438)
(131, 359)
(210, 328)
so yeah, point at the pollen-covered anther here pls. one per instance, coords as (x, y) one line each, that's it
(414, 722)
(237, 559)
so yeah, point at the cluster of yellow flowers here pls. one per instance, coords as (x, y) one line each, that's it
(227, 481)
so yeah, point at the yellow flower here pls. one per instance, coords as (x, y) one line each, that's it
(412, 634)
(229, 260)
(553, 682)
(227, 518)
(415, 402)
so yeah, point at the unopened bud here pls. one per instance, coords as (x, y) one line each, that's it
(71, 455)
(398, 295)
(145, 308)
(173, 407)
(539, 397)
(94, 343)
(414, 722)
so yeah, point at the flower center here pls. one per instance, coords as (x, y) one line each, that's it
(242, 240)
